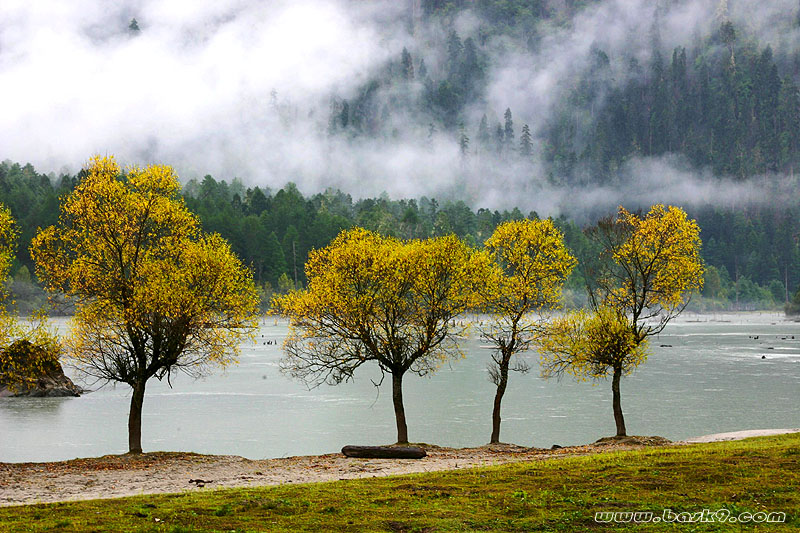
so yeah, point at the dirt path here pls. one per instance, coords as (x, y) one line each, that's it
(122, 475)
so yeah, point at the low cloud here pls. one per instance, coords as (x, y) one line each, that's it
(194, 89)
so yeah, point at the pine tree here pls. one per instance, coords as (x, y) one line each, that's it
(333, 117)
(406, 65)
(728, 35)
(454, 49)
(470, 74)
(484, 137)
(463, 141)
(422, 70)
(257, 201)
(133, 27)
(499, 138)
(525, 142)
(275, 260)
(344, 116)
(508, 130)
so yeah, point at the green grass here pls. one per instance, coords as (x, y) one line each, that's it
(753, 475)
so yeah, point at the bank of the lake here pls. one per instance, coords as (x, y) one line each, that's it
(749, 481)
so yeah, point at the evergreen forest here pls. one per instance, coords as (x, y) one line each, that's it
(752, 255)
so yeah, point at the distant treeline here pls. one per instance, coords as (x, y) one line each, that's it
(752, 253)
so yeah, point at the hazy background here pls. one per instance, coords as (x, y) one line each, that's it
(245, 88)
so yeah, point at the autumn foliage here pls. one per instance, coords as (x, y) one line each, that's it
(8, 242)
(154, 293)
(380, 299)
(649, 266)
(26, 352)
(591, 344)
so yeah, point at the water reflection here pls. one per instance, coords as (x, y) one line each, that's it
(24, 408)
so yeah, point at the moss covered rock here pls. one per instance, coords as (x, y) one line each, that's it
(30, 370)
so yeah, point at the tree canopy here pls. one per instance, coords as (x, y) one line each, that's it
(649, 266)
(380, 299)
(154, 293)
(593, 345)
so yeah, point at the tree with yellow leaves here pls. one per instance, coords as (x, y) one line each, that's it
(8, 243)
(154, 294)
(648, 268)
(9, 328)
(531, 263)
(376, 298)
(592, 345)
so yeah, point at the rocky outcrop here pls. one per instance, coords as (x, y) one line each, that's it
(48, 381)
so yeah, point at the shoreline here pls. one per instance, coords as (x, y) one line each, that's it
(114, 476)
(737, 435)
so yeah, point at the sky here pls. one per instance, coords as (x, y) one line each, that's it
(243, 89)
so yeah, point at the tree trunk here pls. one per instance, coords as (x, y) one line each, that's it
(498, 398)
(399, 411)
(618, 418)
(135, 419)
(786, 282)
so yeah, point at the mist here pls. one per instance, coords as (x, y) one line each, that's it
(244, 89)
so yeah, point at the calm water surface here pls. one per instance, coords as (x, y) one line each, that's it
(705, 375)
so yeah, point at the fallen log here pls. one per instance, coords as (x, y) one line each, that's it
(384, 452)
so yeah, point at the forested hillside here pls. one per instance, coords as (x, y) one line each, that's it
(725, 102)
(750, 253)
(457, 100)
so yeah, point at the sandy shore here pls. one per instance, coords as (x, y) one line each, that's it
(161, 472)
(738, 435)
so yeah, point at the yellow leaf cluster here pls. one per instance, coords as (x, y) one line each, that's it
(26, 353)
(590, 345)
(371, 297)
(8, 242)
(654, 267)
(533, 263)
(148, 283)
(664, 247)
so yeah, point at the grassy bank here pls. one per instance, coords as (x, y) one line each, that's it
(749, 476)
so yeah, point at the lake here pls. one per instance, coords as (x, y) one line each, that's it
(705, 374)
